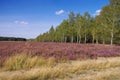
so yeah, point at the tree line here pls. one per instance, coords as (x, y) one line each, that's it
(103, 28)
(12, 39)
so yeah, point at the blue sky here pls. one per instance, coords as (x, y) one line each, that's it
(29, 18)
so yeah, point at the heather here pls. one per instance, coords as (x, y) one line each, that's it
(69, 51)
(58, 61)
(83, 46)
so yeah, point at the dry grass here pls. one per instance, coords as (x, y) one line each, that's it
(35, 68)
(24, 61)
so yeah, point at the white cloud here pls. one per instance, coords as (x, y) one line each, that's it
(97, 12)
(59, 12)
(21, 22)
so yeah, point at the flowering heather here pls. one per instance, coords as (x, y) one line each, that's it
(59, 51)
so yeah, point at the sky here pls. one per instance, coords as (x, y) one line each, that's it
(29, 18)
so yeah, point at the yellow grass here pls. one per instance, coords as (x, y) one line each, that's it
(48, 69)
(23, 61)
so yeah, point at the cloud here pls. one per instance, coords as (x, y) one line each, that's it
(59, 12)
(21, 22)
(97, 12)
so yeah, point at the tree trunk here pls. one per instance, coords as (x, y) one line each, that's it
(96, 40)
(72, 39)
(61, 39)
(103, 41)
(80, 40)
(85, 38)
(104, 36)
(65, 39)
(112, 37)
(77, 39)
(93, 39)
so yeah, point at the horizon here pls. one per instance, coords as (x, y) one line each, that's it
(29, 18)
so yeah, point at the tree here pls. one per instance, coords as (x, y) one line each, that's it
(86, 22)
(78, 25)
(93, 29)
(71, 21)
(62, 31)
(51, 33)
(111, 15)
(104, 28)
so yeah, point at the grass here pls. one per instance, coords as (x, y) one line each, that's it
(26, 67)
(24, 61)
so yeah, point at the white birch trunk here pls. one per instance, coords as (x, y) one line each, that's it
(112, 37)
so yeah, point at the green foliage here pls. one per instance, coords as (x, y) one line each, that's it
(103, 28)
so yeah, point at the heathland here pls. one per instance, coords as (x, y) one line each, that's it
(82, 47)
(58, 61)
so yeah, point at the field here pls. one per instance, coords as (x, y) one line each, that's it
(58, 61)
